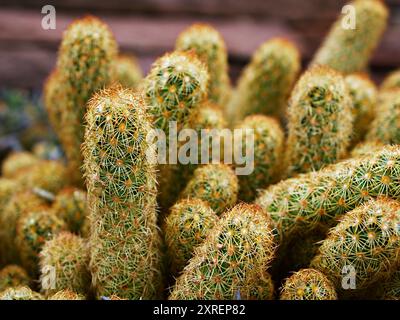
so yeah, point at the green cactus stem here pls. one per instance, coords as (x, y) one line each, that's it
(13, 276)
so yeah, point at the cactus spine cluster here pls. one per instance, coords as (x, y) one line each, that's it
(308, 284)
(235, 253)
(186, 226)
(363, 93)
(68, 255)
(121, 182)
(70, 205)
(268, 154)
(216, 184)
(386, 126)
(366, 239)
(320, 121)
(84, 66)
(265, 84)
(127, 71)
(209, 46)
(302, 203)
(176, 86)
(349, 48)
(34, 228)
(392, 81)
(13, 276)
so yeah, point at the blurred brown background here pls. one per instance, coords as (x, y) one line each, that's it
(148, 28)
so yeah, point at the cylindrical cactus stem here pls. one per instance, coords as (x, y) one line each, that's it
(20, 293)
(19, 204)
(16, 162)
(186, 227)
(216, 184)
(320, 121)
(351, 41)
(84, 64)
(175, 87)
(208, 44)
(365, 245)
(70, 205)
(319, 198)
(265, 84)
(366, 147)
(237, 250)
(12, 276)
(34, 228)
(386, 126)
(308, 284)
(52, 91)
(268, 155)
(209, 120)
(364, 95)
(392, 81)
(121, 181)
(66, 295)
(67, 255)
(127, 71)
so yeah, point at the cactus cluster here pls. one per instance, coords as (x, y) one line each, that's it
(308, 284)
(352, 39)
(121, 183)
(216, 184)
(236, 252)
(265, 84)
(67, 255)
(366, 239)
(267, 152)
(186, 226)
(209, 46)
(320, 121)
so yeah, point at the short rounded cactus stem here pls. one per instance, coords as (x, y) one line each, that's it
(236, 252)
(66, 295)
(392, 81)
(84, 64)
(265, 84)
(318, 198)
(34, 228)
(66, 256)
(7, 188)
(352, 39)
(13, 276)
(320, 121)
(20, 293)
(364, 95)
(207, 43)
(386, 126)
(365, 245)
(127, 71)
(268, 155)
(216, 184)
(16, 162)
(308, 284)
(121, 181)
(186, 226)
(70, 205)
